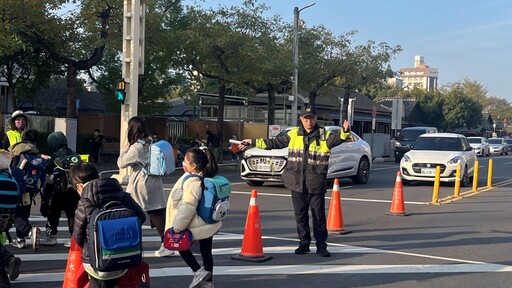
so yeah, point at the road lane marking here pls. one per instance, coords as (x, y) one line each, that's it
(299, 270)
(327, 197)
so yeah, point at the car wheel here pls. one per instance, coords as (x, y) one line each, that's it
(254, 183)
(363, 172)
(464, 182)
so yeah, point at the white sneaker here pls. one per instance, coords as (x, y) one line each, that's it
(19, 243)
(199, 277)
(68, 244)
(163, 252)
(49, 241)
(34, 236)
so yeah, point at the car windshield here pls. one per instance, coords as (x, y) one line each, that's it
(410, 135)
(475, 140)
(438, 144)
(495, 141)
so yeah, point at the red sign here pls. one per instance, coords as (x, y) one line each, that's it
(374, 112)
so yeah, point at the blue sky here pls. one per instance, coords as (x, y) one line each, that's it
(464, 38)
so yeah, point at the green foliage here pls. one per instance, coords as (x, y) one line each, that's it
(461, 111)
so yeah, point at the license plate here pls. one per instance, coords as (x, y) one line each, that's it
(428, 171)
(263, 167)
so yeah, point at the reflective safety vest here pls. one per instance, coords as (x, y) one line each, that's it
(14, 137)
(304, 166)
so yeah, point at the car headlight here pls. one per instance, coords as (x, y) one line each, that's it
(397, 144)
(406, 158)
(454, 160)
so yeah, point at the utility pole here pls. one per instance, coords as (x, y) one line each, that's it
(295, 87)
(133, 66)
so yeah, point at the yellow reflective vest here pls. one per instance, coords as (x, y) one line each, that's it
(308, 156)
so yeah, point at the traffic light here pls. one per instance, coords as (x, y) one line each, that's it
(120, 92)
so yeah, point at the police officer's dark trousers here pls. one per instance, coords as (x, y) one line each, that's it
(302, 202)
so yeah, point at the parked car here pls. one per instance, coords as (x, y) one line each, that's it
(438, 149)
(480, 145)
(498, 146)
(407, 137)
(350, 159)
(509, 142)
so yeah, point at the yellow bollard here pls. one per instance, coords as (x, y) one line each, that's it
(437, 182)
(456, 189)
(489, 174)
(475, 177)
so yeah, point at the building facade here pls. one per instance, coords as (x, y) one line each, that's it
(421, 76)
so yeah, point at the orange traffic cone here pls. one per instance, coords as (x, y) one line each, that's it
(397, 202)
(252, 246)
(75, 275)
(335, 216)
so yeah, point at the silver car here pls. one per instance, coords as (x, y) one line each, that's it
(498, 146)
(350, 159)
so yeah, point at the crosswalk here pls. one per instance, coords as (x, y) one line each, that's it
(46, 266)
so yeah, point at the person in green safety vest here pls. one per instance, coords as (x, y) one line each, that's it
(18, 123)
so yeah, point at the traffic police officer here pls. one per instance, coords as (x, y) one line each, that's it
(305, 174)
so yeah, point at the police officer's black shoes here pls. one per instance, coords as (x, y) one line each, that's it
(323, 252)
(303, 249)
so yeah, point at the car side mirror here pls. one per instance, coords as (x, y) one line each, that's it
(469, 148)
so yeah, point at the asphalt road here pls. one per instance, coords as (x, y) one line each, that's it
(464, 243)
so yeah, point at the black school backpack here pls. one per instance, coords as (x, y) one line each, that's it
(64, 158)
(9, 199)
(115, 238)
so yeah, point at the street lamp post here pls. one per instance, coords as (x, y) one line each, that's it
(295, 87)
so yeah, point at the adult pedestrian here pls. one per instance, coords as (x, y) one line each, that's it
(214, 144)
(146, 190)
(18, 123)
(96, 143)
(305, 174)
(182, 213)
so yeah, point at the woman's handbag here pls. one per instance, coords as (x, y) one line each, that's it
(177, 241)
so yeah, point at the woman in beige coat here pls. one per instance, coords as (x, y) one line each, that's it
(182, 213)
(146, 190)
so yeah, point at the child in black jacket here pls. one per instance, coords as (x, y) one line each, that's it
(94, 193)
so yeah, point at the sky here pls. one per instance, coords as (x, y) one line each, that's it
(461, 38)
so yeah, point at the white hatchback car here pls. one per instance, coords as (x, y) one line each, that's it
(438, 149)
(350, 159)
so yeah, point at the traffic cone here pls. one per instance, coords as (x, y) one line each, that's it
(252, 246)
(75, 275)
(397, 202)
(335, 216)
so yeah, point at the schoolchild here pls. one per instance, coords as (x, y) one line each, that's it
(182, 213)
(146, 190)
(95, 192)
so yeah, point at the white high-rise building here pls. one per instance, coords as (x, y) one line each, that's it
(421, 76)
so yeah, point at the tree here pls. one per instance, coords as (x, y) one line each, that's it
(333, 60)
(461, 111)
(75, 41)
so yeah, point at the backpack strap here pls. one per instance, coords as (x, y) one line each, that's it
(189, 176)
(112, 203)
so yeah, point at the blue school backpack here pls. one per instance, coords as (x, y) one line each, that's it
(9, 199)
(115, 238)
(214, 203)
(161, 159)
(34, 172)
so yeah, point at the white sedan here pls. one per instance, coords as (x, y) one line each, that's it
(438, 149)
(350, 159)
